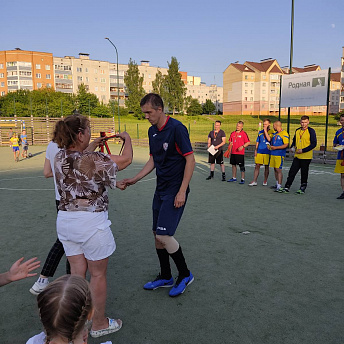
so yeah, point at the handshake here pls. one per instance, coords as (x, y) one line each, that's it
(124, 183)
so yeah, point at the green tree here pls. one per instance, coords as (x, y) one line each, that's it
(195, 108)
(175, 88)
(86, 102)
(102, 110)
(133, 84)
(159, 85)
(208, 107)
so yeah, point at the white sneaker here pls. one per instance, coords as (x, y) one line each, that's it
(37, 288)
(253, 184)
(265, 184)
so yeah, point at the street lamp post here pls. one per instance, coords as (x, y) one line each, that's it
(119, 121)
(291, 54)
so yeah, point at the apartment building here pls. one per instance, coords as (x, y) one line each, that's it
(252, 88)
(341, 103)
(335, 88)
(20, 69)
(202, 92)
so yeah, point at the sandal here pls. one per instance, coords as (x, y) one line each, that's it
(114, 326)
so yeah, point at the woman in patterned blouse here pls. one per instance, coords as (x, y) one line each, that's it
(82, 178)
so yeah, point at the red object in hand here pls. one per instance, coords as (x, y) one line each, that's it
(102, 134)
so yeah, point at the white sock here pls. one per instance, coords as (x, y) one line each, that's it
(43, 280)
(278, 186)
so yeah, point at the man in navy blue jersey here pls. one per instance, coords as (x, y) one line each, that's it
(172, 156)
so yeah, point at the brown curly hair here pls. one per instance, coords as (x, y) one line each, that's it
(67, 130)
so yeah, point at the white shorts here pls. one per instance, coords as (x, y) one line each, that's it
(87, 233)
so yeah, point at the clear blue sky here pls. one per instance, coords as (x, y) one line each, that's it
(205, 36)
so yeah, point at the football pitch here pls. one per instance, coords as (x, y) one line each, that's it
(268, 267)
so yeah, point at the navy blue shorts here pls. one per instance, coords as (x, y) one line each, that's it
(166, 216)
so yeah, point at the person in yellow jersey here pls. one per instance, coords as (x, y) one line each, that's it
(15, 146)
(262, 153)
(304, 141)
(339, 141)
(278, 146)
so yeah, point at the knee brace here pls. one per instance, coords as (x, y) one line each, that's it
(242, 168)
(169, 242)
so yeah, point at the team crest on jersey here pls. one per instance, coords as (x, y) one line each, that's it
(165, 146)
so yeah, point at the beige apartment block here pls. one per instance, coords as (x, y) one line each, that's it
(202, 92)
(22, 69)
(149, 73)
(341, 104)
(252, 88)
(71, 72)
(335, 88)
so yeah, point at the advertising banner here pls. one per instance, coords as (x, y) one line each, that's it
(304, 89)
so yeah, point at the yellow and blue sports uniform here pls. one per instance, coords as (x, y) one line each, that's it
(263, 153)
(339, 140)
(306, 140)
(15, 143)
(277, 156)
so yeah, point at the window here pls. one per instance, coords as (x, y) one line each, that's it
(246, 84)
(79, 69)
(264, 84)
(251, 99)
(2, 75)
(95, 79)
(102, 71)
(86, 78)
(245, 91)
(149, 76)
(246, 77)
(245, 106)
(38, 75)
(245, 98)
(264, 77)
(13, 73)
(38, 66)
(263, 91)
(48, 85)
(2, 84)
(11, 64)
(252, 77)
(263, 98)
(39, 85)
(25, 82)
(96, 88)
(251, 84)
(67, 67)
(2, 93)
(251, 91)
(47, 67)
(96, 71)
(1, 65)
(86, 70)
(48, 76)
(79, 78)
(102, 89)
(25, 73)
(103, 80)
